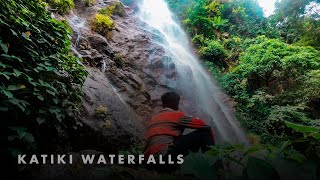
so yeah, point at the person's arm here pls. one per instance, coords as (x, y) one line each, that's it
(195, 123)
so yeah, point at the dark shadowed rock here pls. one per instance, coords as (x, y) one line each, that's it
(101, 44)
(119, 126)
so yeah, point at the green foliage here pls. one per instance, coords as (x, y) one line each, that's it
(119, 60)
(106, 11)
(246, 19)
(200, 165)
(305, 139)
(101, 110)
(40, 80)
(235, 46)
(311, 86)
(288, 113)
(208, 21)
(275, 66)
(118, 9)
(210, 18)
(310, 36)
(180, 7)
(214, 52)
(61, 6)
(103, 24)
(199, 40)
(89, 2)
(260, 169)
(296, 23)
(274, 83)
(115, 9)
(223, 162)
(202, 17)
(309, 130)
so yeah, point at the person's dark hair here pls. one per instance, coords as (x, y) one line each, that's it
(170, 100)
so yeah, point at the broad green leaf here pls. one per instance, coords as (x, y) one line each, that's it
(289, 169)
(8, 94)
(50, 92)
(301, 128)
(200, 165)
(313, 131)
(3, 108)
(41, 98)
(258, 169)
(21, 132)
(42, 111)
(3, 65)
(297, 157)
(16, 72)
(19, 103)
(251, 150)
(12, 87)
(4, 47)
(55, 100)
(40, 120)
(5, 75)
(14, 33)
(29, 137)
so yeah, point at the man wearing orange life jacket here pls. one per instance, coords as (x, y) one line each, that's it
(165, 129)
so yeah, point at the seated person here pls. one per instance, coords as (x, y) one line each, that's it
(164, 131)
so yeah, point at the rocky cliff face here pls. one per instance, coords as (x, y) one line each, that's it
(127, 75)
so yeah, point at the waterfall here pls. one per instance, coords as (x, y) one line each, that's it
(193, 81)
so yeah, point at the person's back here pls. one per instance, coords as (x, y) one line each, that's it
(164, 131)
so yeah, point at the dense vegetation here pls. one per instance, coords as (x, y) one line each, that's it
(61, 6)
(297, 21)
(40, 79)
(270, 66)
(103, 23)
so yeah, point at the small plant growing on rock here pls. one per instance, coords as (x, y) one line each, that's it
(119, 9)
(107, 124)
(89, 2)
(115, 9)
(103, 24)
(62, 6)
(120, 62)
(101, 110)
(107, 10)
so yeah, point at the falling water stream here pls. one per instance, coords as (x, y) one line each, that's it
(193, 81)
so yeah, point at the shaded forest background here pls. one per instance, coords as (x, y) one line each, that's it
(270, 66)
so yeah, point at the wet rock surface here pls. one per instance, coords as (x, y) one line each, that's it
(107, 116)
(128, 73)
